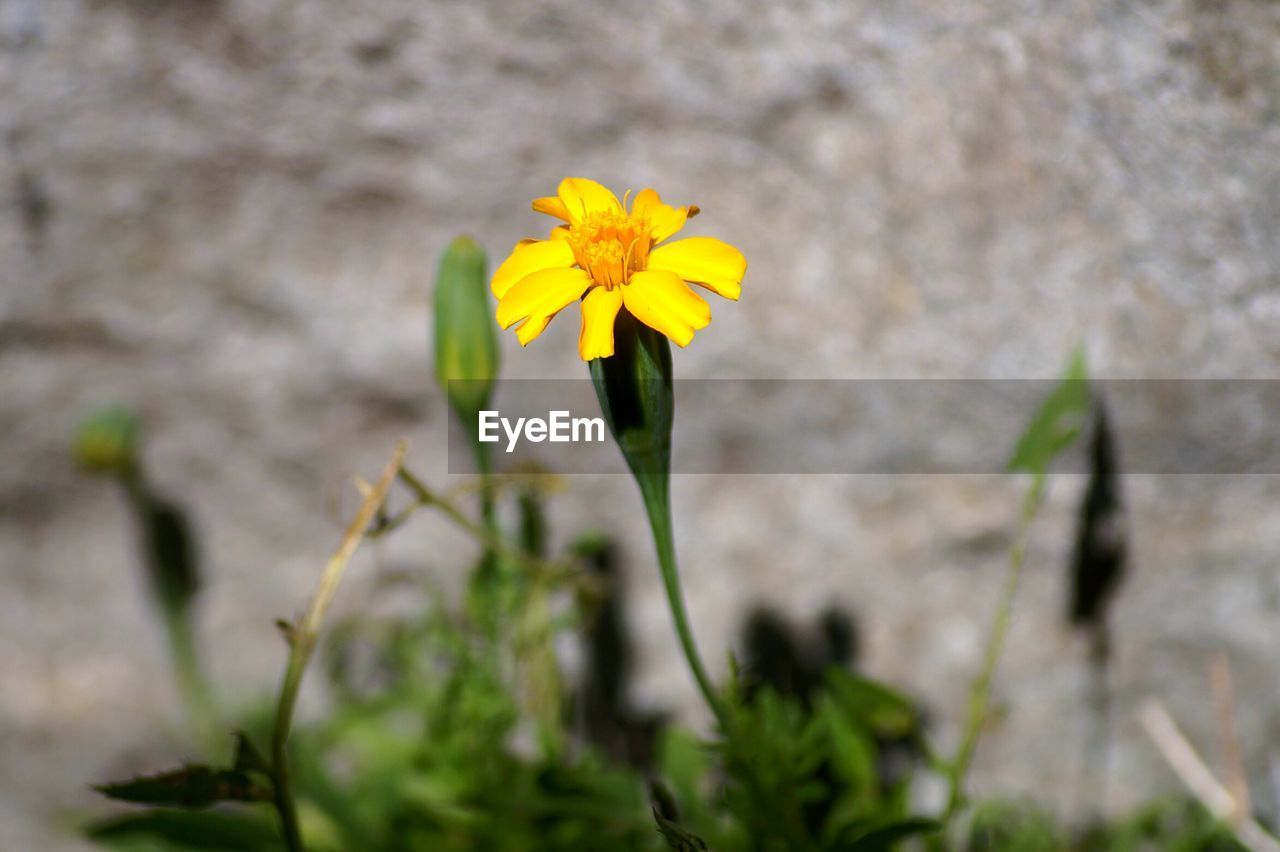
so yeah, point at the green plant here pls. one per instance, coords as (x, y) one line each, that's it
(453, 727)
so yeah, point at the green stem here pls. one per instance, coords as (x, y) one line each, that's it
(282, 782)
(173, 588)
(655, 489)
(425, 497)
(487, 583)
(192, 685)
(488, 513)
(980, 693)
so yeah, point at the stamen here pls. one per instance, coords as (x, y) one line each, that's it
(610, 245)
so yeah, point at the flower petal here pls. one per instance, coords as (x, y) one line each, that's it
(531, 328)
(599, 310)
(537, 255)
(540, 295)
(583, 195)
(552, 206)
(715, 265)
(664, 220)
(660, 300)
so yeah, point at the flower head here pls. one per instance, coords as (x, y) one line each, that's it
(610, 258)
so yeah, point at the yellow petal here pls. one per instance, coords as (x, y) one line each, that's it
(541, 295)
(599, 310)
(559, 232)
(715, 265)
(552, 206)
(583, 195)
(664, 219)
(537, 255)
(660, 300)
(531, 328)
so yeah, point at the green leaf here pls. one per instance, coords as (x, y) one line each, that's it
(466, 343)
(677, 838)
(1058, 422)
(191, 787)
(878, 707)
(885, 837)
(209, 830)
(247, 756)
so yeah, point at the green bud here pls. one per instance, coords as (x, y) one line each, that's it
(466, 345)
(172, 564)
(107, 441)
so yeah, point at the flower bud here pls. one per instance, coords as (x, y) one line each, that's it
(466, 346)
(107, 441)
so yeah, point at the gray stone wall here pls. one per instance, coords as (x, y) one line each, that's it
(228, 213)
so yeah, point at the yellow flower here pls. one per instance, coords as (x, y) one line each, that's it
(616, 259)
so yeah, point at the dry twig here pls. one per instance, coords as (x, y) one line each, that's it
(1193, 773)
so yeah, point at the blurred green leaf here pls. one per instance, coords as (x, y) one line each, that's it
(191, 787)
(877, 706)
(676, 837)
(1058, 422)
(884, 837)
(247, 757)
(207, 830)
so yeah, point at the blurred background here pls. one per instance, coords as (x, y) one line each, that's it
(228, 215)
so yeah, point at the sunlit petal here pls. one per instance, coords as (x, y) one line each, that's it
(534, 256)
(582, 196)
(541, 294)
(599, 310)
(712, 263)
(660, 300)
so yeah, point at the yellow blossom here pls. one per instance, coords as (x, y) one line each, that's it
(612, 258)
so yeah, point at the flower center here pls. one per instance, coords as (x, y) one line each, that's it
(610, 246)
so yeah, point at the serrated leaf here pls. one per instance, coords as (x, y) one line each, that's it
(247, 756)
(1058, 422)
(879, 707)
(677, 837)
(885, 837)
(192, 787)
(188, 830)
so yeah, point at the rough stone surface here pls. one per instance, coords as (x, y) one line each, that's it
(228, 213)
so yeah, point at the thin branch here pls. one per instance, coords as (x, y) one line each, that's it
(424, 496)
(1197, 778)
(302, 641)
(1220, 684)
(980, 691)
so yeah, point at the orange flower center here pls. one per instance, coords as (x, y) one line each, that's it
(610, 245)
